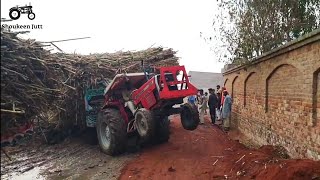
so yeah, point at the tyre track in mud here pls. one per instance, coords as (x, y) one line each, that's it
(72, 159)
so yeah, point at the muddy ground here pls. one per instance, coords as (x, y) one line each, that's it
(72, 159)
(206, 153)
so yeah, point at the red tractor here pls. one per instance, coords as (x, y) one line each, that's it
(141, 103)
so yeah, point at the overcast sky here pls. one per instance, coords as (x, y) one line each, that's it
(125, 25)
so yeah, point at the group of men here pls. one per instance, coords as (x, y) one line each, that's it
(219, 103)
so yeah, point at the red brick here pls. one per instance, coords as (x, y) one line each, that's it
(289, 103)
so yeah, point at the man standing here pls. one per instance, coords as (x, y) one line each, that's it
(219, 90)
(218, 106)
(207, 99)
(203, 105)
(226, 110)
(222, 95)
(198, 99)
(213, 101)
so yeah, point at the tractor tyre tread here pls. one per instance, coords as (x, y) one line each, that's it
(118, 132)
(150, 123)
(194, 117)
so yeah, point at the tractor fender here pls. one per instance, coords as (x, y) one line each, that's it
(14, 8)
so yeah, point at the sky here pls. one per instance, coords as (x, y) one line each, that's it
(115, 25)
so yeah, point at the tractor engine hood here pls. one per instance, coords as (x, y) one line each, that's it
(118, 82)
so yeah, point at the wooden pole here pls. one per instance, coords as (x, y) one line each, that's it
(66, 40)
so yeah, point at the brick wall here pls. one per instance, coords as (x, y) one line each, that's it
(276, 99)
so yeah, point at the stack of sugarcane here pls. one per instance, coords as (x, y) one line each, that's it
(39, 85)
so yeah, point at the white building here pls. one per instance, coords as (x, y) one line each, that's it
(205, 80)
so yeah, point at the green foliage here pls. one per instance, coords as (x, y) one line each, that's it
(248, 28)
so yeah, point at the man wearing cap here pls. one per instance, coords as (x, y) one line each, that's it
(226, 110)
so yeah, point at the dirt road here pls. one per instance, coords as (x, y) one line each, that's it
(205, 153)
(208, 153)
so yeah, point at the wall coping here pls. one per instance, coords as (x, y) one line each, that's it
(294, 44)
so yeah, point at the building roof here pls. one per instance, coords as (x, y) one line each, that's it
(205, 80)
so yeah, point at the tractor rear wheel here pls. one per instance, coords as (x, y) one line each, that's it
(162, 130)
(14, 14)
(111, 131)
(189, 117)
(145, 124)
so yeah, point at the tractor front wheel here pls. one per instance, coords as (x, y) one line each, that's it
(145, 124)
(111, 131)
(31, 16)
(189, 117)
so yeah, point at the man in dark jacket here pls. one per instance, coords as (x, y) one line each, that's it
(213, 102)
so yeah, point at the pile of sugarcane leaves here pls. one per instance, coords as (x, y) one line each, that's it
(48, 88)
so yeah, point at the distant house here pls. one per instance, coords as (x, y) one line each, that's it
(205, 80)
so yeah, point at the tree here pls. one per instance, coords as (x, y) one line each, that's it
(248, 28)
